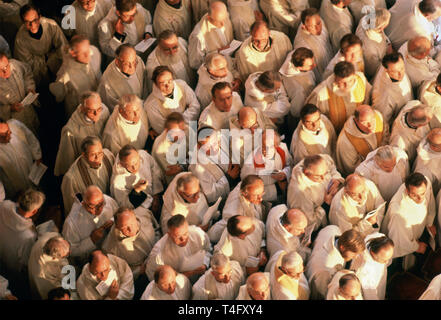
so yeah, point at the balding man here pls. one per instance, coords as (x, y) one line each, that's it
(171, 51)
(340, 94)
(80, 72)
(285, 230)
(174, 15)
(214, 32)
(124, 75)
(105, 277)
(88, 223)
(264, 50)
(88, 119)
(313, 184)
(167, 285)
(351, 205)
(47, 258)
(430, 94)
(128, 124)
(362, 133)
(344, 286)
(420, 66)
(243, 14)
(216, 68)
(127, 22)
(391, 88)
(92, 167)
(410, 127)
(288, 282)
(221, 281)
(257, 287)
(387, 167)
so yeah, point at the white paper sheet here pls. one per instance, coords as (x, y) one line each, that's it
(37, 171)
(103, 286)
(373, 212)
(306, 239)
(193, 262)
(143, 45)
(29, 99)
(210, 212)
(233, 46)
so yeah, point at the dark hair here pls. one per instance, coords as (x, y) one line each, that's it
(76, 39)
(428, 6)
(268, 78)
(258, 23)
(249, 179)
(2, 120)
(352, 240)
(122, 48)
(89, 141)
(438, 80)
(308, 109)
(174, 117)
(159, 272)
(26, 8)
(335, 2)
(415, 179)
(176, 221)
(308, 13)
(376, 244)
(125, 151)
(393, 57)
(349, 40)
(300, 55)
(219, 86)
(160, 70)
(343, 281)
(232, 224)
(284, 219)
(125, 5)
(344, 69)
(59, 293)
(92, 255)
(166, 34)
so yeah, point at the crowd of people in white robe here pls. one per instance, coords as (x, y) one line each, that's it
(337, 170)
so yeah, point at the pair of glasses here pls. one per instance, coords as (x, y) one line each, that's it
(95, 207)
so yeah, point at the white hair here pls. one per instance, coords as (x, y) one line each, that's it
(385, 153)
(292, 259)
(219, 260)
(129, 99)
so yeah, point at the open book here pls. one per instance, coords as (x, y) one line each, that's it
(29, 99)
(373, 212)
(143, 45)
(211, 211)
(37, 171)
(233, 46)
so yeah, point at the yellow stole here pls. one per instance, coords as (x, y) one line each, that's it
(287, 282)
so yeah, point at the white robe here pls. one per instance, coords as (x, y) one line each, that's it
(182, 291)
(427, 163)
(119, 131)
(211, 116)
(87, 282)
(433, 291)
(387, 182)
(243, 290)
(430, 96)
(208, 288)
(333, 287)
(167, 17)
(242, 16)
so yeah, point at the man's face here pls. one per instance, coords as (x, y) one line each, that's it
(353, 54)
(313, 25)
(127, 62)
(131, 162)
(384, 255)
(317, 172)
(260, 291)
(132, 112)
(88, 5)
(260, 38)
(254, 192)
(5, 68)
(312, 121)
(308, 65)
(31, 21)
(249, 121)
(94, 204)
(179, 235)
(100, 268)
(127, 16)
(167, 283)
(345, 84)
(293, 272)
(298, 228)
(222, 274)
(223, 99)
(221, 69)
(366, 122)
(128, 224)
(81, 52)
(386, 165)
(92, 108)
(94, 155)
(396, 71)
(5, 133)
(417, 194)
(191, 192)
(357, 191)
(169, 47)
(347, 254)
(351, 290)
(165, 83)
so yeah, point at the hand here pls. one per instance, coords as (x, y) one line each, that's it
(279, 176)
(98, 233)
(432, 230)
(421, 247)
(233, 171)
(235, 84)
(173, 170)
(205, 228)
(113, 290)
(334, 187)
(37, 162)
(119, 26)
(33, 91)
(251, 270)
(223, 48)
(258, 15)
(17, 107)
(10, 297)
(140, 186)
(153, 134)
(373, 220)
(263, 258)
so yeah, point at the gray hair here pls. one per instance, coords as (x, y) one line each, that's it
(381, 19)
(219, 260)
(87, 95)
(211, 59)
(419, 115)
(127, 99)
(30, 200)
(385, 153)
(292, 259)
(185, 179)
(56, 247)
(89, 141)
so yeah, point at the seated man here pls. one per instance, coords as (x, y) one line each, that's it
(265, 49)
(392, 88)
(88, 119)
(214, 32)
(167, 284)
(285, 230)
(172, 52)
(216, 68)
(244, 241)
(127, 22)
(47, 258)
(345, 286)
(340, 94)
(332, 251)
(185, 248)
(19, 150)
(174, 15)
(136, 179)
(128, 124)
(313, 184)
(314, 134)
(288, 282)
(265, 91)
(109, 273)
(257, 287)
(124, 75)
(430, 94)
(363, 132)
(16, 81)
(410, 127)
(298, 77)
(225, 104)
(222, 281)
(410, 214)
(92, 167)
(80, 72)
(351, 204)
(88, 223)
(386, 167)
(243, 14)
(169, 95)
(132, 237)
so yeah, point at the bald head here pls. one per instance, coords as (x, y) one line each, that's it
(126, 222)
(292, 260)
(218, 12)
(355, 187)
(92, 192)
(247, 117)
(258, 286)
(419, 47)
(419, 116)
(349, 286)
(364, 116)
(434, 139)
(165, 279)
(99, 265)
(294, 222)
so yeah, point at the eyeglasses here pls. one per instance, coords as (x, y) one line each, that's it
(96, 155)
(29, 23)
(95, 207)
(128, 64)
(94, 111)
(191, 196)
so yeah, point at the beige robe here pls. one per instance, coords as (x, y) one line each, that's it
(249, 60)
(199, 9)
(207, 38)
(242, 16)
(339, 57)
(430, 96)
(158, 107)
(433, 291)
(308, 196)
(387, 182)
(118, 131)
(166, 252)
(243, 290)
(305, 142)
(87, 282)
(44, 54)
(167, 17)
(74, 78)
(208, 288)
(427, 163)
(13, 90)
(114, 84)
(80, 175)
(333, 287)
(73, 133)
(182, 291)
(211, 116)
